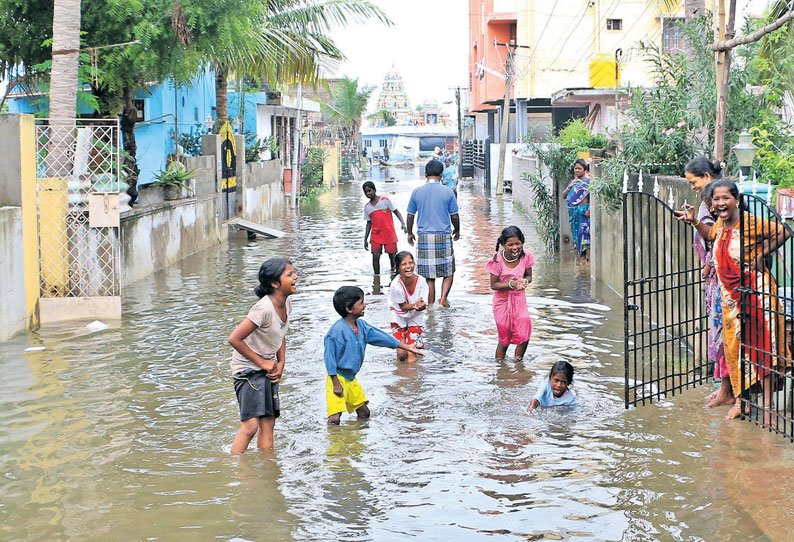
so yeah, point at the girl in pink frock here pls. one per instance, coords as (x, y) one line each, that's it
(511, 272)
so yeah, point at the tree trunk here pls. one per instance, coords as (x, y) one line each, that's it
(221, 100)
(65, 59)
(63, 86)
(723, 78)
(130, 162)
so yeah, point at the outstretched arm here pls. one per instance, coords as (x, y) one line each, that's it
(533, 405)
(400, 218)
(410, 228)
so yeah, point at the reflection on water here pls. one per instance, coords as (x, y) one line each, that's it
(124, 433)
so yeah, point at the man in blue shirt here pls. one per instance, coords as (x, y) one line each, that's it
(438, 225)
(345, 344)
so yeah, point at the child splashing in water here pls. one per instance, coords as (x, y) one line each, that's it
(407, 305)
(511, 272)
(258, 357)
(554, 390)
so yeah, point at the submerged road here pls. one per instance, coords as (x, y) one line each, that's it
(124, 434)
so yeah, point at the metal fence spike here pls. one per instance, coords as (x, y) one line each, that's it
(639, 183)
(671, 199)
(625, 180)
(656, 186)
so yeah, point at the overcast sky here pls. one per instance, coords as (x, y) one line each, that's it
(428, 44)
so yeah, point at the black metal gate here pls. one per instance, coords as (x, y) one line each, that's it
(665, 323)
(766, 309)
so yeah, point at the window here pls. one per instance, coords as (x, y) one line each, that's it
(368, 143)
(614, 24)
(140, 106)
(383, 143)
(672, 36)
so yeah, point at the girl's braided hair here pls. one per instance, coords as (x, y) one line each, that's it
(507, 233)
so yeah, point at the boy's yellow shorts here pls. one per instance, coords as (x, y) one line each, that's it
(353, 395)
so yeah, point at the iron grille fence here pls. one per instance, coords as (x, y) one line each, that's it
(766, 316)
(467, 158)
(665, 322)
(77, 159)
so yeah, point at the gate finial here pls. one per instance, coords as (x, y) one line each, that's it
(639, 183)
(755, 188)
(741, 176)
(625, 180)
(656, 186)
(671, 199)
(769, 193)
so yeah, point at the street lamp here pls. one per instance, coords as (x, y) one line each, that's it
(745, 152)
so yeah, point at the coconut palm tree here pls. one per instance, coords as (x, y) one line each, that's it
(65, 58)
(348, 103)
(277, 40)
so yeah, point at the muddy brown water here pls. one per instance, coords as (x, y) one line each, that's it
(124, 434)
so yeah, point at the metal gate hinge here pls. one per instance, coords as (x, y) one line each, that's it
(632, 307)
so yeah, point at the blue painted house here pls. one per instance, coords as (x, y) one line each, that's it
(165, 109)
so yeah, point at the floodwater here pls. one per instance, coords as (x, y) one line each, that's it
(124, 434)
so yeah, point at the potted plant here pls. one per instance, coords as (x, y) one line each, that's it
(174, 179)
(272, 146)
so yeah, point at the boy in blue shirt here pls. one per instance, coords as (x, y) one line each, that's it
(345, 344)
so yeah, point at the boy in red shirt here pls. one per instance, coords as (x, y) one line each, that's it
(379, 221)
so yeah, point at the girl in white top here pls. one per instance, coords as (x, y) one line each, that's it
(258, 358)
(407, 305)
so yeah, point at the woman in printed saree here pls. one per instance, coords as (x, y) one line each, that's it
(577, 199)
(700, 173)
(767, 351)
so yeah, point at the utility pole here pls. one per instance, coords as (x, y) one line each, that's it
(460, 133)
(296, 153)
(511, 49)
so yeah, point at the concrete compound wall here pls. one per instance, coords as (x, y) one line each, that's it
(163, 232)
(523, 196)
(262, 193)
(19, 234)
(12, 273)
(606, 229)
(156, 236)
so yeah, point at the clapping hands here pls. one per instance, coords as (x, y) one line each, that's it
(520, 284)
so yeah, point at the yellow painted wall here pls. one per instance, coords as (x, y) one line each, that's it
(54, 253)
(30, 230)
(563, 41)
(331, 164)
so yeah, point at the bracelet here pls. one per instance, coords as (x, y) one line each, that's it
(696, 223)
(510, 284)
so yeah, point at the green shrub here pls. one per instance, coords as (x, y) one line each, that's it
(312, 172)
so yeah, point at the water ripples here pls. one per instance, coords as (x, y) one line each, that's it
(125, 433)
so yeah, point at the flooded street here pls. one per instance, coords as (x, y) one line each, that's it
(124, 434)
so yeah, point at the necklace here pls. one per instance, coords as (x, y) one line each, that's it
(508, 260)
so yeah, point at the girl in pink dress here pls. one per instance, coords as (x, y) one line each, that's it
(511, 272)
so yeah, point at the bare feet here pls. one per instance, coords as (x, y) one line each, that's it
(334, 419)
(443, 302)
(720, 398)
(770, 419)
(734, 412)
(712, 395)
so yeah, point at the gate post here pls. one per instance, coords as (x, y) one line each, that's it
(18, 189)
